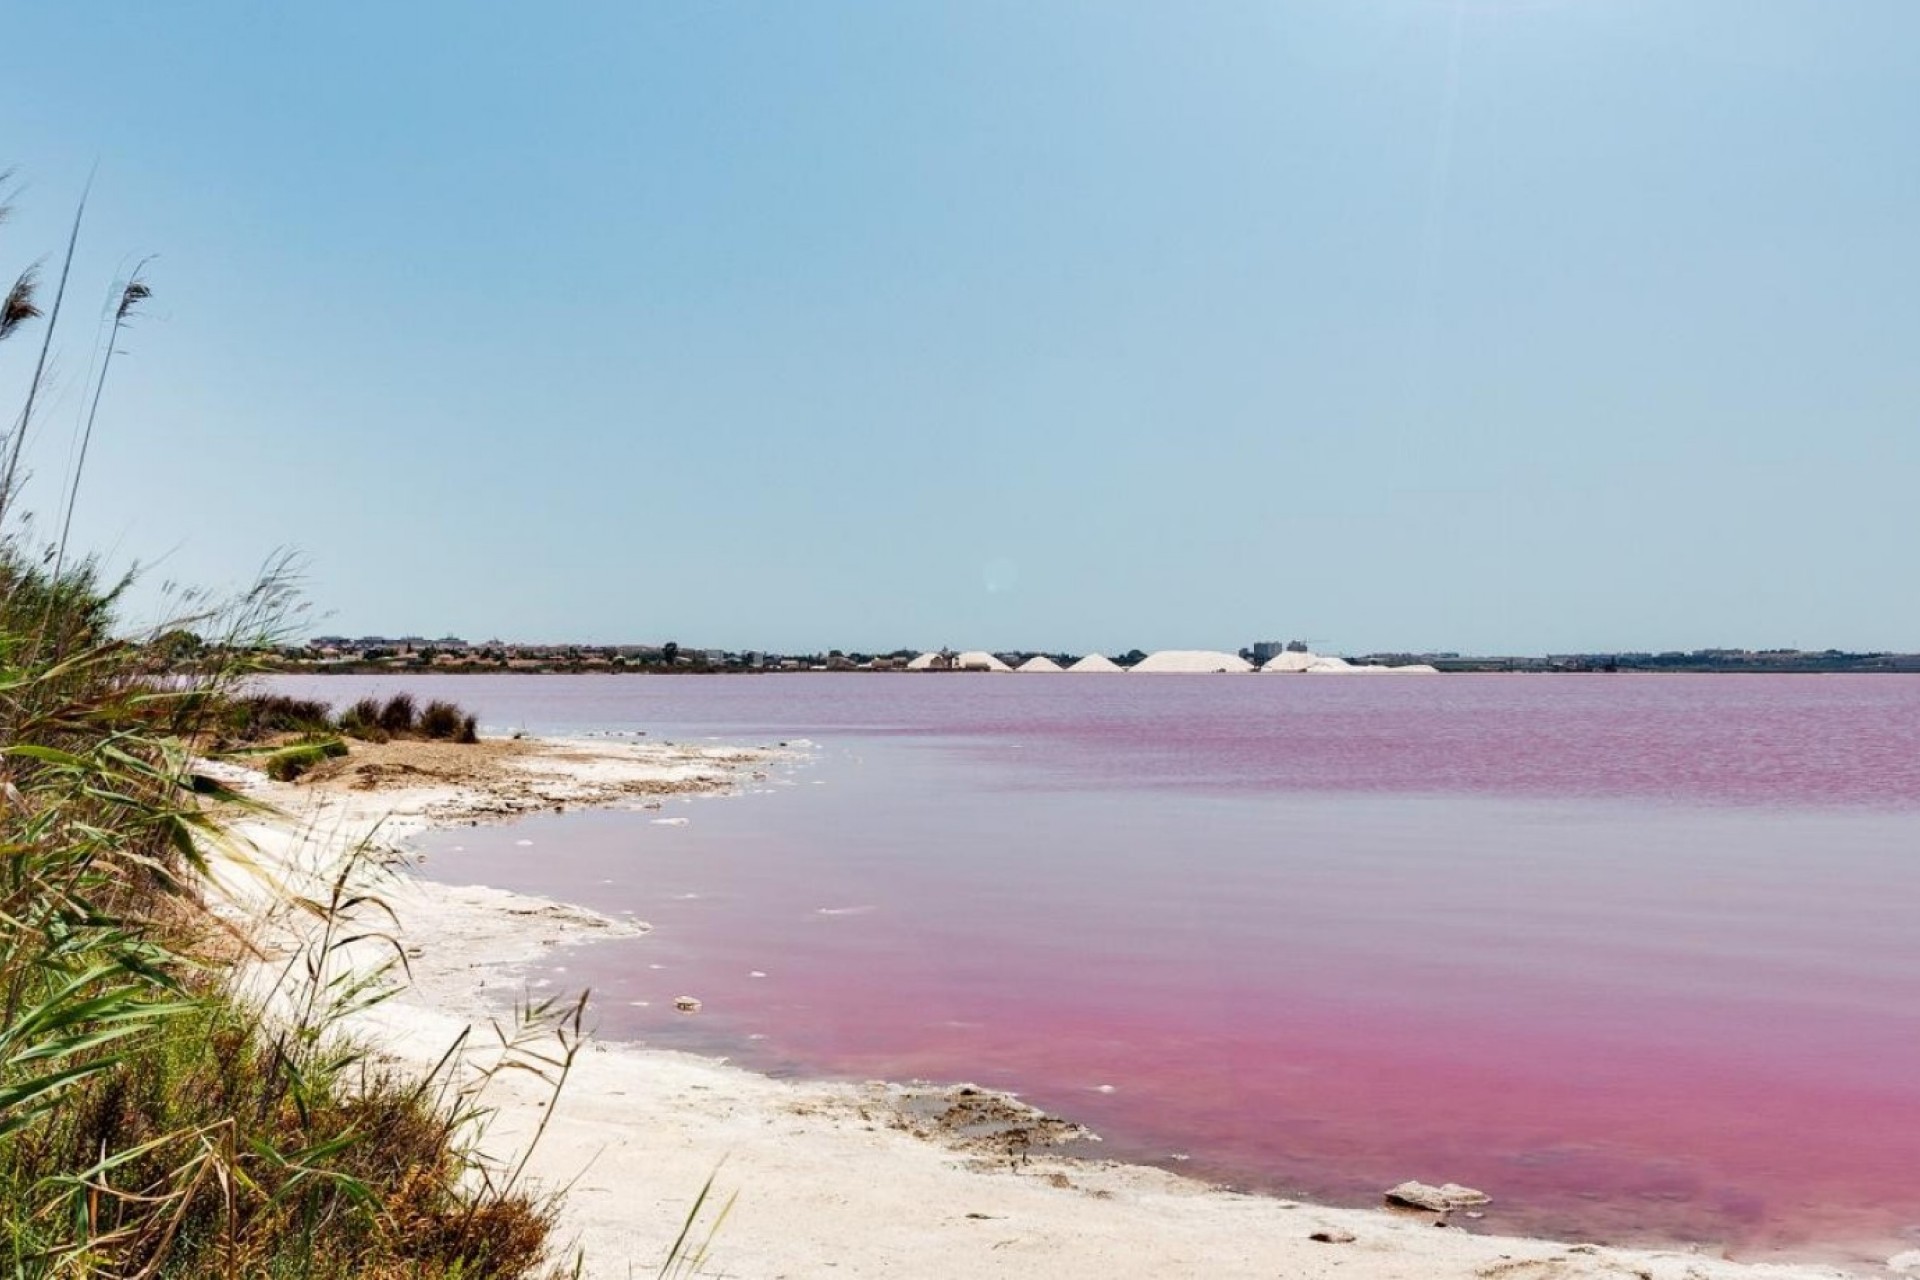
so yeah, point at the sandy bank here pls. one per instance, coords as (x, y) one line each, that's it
(857, 1181)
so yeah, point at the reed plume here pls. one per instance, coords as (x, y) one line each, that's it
(19, 307)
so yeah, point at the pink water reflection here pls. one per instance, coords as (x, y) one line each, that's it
(1634, 955)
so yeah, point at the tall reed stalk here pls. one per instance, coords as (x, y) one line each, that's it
(10, 475)
(132, 294)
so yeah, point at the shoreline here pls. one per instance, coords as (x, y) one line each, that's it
(869, 1180)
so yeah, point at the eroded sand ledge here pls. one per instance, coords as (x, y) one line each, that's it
(832, 1179)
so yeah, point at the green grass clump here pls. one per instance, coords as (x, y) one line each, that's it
(289, 763)
(263, 1174)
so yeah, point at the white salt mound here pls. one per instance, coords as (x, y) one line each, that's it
(1335, 666)
(1192, 662)
(1039, 662)
(924, 662)
(979, 660)
(1316, 664)
(1098, 664)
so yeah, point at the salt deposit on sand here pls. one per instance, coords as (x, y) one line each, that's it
(1192, 662)
(859, 1181)
(1097, 664)
(1039, 662)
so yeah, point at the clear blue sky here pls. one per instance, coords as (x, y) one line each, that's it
(1491, 326)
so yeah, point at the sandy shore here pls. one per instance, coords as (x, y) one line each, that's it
(852, 1181)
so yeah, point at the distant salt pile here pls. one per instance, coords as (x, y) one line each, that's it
(1317, 665)
(926, 662)
(1338, 667)
(1039, 662)
(979, 660)
(1192, 662)
(1097, 664)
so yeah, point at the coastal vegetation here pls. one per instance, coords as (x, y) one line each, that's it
(375, 721)
(159, 1117)
(289, 736)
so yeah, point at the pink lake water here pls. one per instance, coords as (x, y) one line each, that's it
(1635, 954)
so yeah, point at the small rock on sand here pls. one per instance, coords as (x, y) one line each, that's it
(1333, 1237)
(1442, 1199)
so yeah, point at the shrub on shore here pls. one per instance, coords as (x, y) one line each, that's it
(440, 719)
(398, 717)
(362, 721)
(264, 717)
